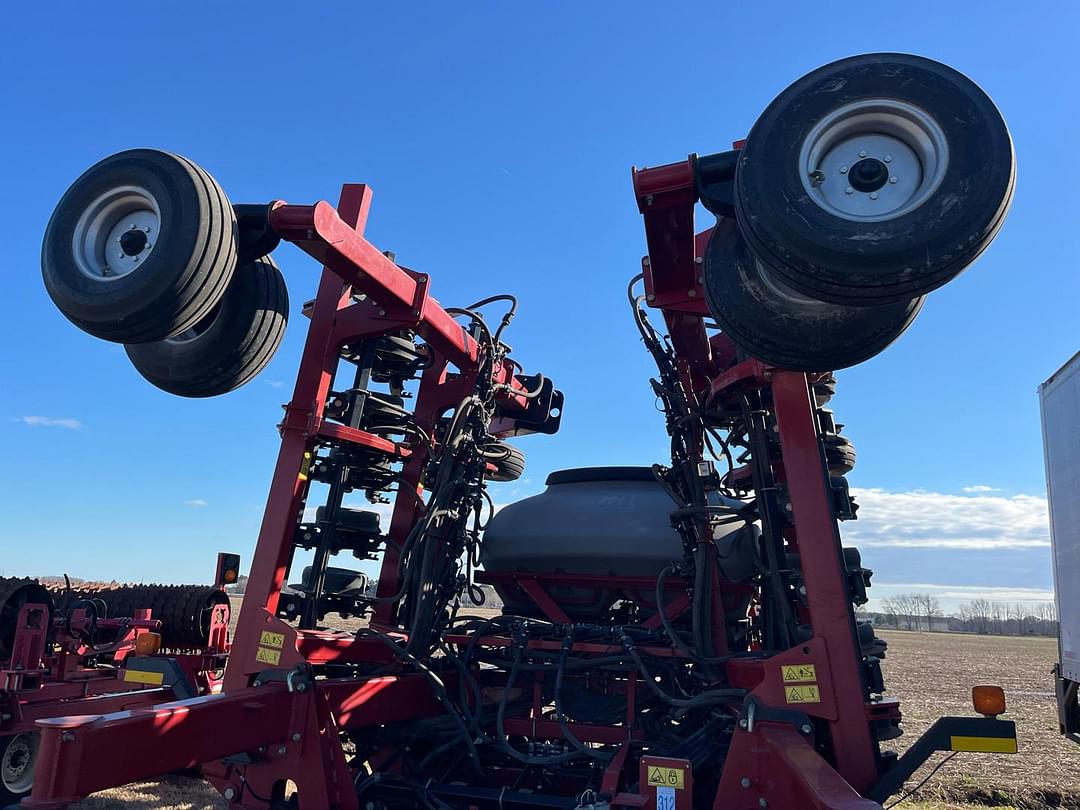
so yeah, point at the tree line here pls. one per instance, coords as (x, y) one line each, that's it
(922, 611)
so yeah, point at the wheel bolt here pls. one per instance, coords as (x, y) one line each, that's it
(862, 153)
(873, 196)
(843, 170)
(849, 190)
(892, 179)
(888, 158)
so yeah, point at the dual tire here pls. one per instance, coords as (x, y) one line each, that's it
(142, 250)
(862, 187)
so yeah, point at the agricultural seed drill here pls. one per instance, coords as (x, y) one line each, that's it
(676, 636)
(94, 648)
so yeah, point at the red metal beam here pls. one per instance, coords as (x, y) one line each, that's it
(818, 545)
(78, 755)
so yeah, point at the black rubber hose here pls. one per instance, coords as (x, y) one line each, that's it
(603, 756)
(704, 699)
(500, 717)
(438, 687)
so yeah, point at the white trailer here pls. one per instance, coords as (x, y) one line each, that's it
(1059, 399)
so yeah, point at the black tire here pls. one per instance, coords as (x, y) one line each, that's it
(509, 462)
(175, 277)
(950, 217)
(824, 390)
(336, 580)
(232, 344)
(780, 327)
(396, 356)
(839, 453)
(18, 758)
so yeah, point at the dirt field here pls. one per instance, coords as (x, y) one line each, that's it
(932, 675)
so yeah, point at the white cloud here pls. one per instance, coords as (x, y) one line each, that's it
(922, 519)
(275, 383)
(196, 502)
(49, 421)
(953, 597)
(995, 593)
(975, 488)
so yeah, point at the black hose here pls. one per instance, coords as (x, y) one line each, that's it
(438, 687)
(568, 642)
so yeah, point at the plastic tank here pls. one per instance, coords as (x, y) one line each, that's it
(605, 521)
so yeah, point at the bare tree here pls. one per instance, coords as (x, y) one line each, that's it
(997, 617)
(907, 607)
(928, 607)
(980, 615)
(891, 608)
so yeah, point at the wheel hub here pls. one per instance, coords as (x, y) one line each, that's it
(133, 242)
(869, 174)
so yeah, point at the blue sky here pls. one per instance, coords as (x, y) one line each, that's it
(499, 138)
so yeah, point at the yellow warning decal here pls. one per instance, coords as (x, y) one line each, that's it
(667, 777)
(807, 693)
(799, 672)
(305, 467)
(268, 656)
(993, 745)
(141, 676)
(268, 639)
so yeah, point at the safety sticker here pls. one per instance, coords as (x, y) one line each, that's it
(807, 693)
(799, 672)
(268, 639)
(305, 467)
(141, 676)
(665, 798)
(671, 778)
(268, 656)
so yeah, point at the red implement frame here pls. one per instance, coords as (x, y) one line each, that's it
(760, 761)
(273, 722)
(270, 708)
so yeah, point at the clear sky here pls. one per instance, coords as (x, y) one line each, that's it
(498, 138)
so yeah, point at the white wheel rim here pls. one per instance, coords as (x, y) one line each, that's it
(17, 765)
(116, 233)
(779, 290)
(873, 160)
